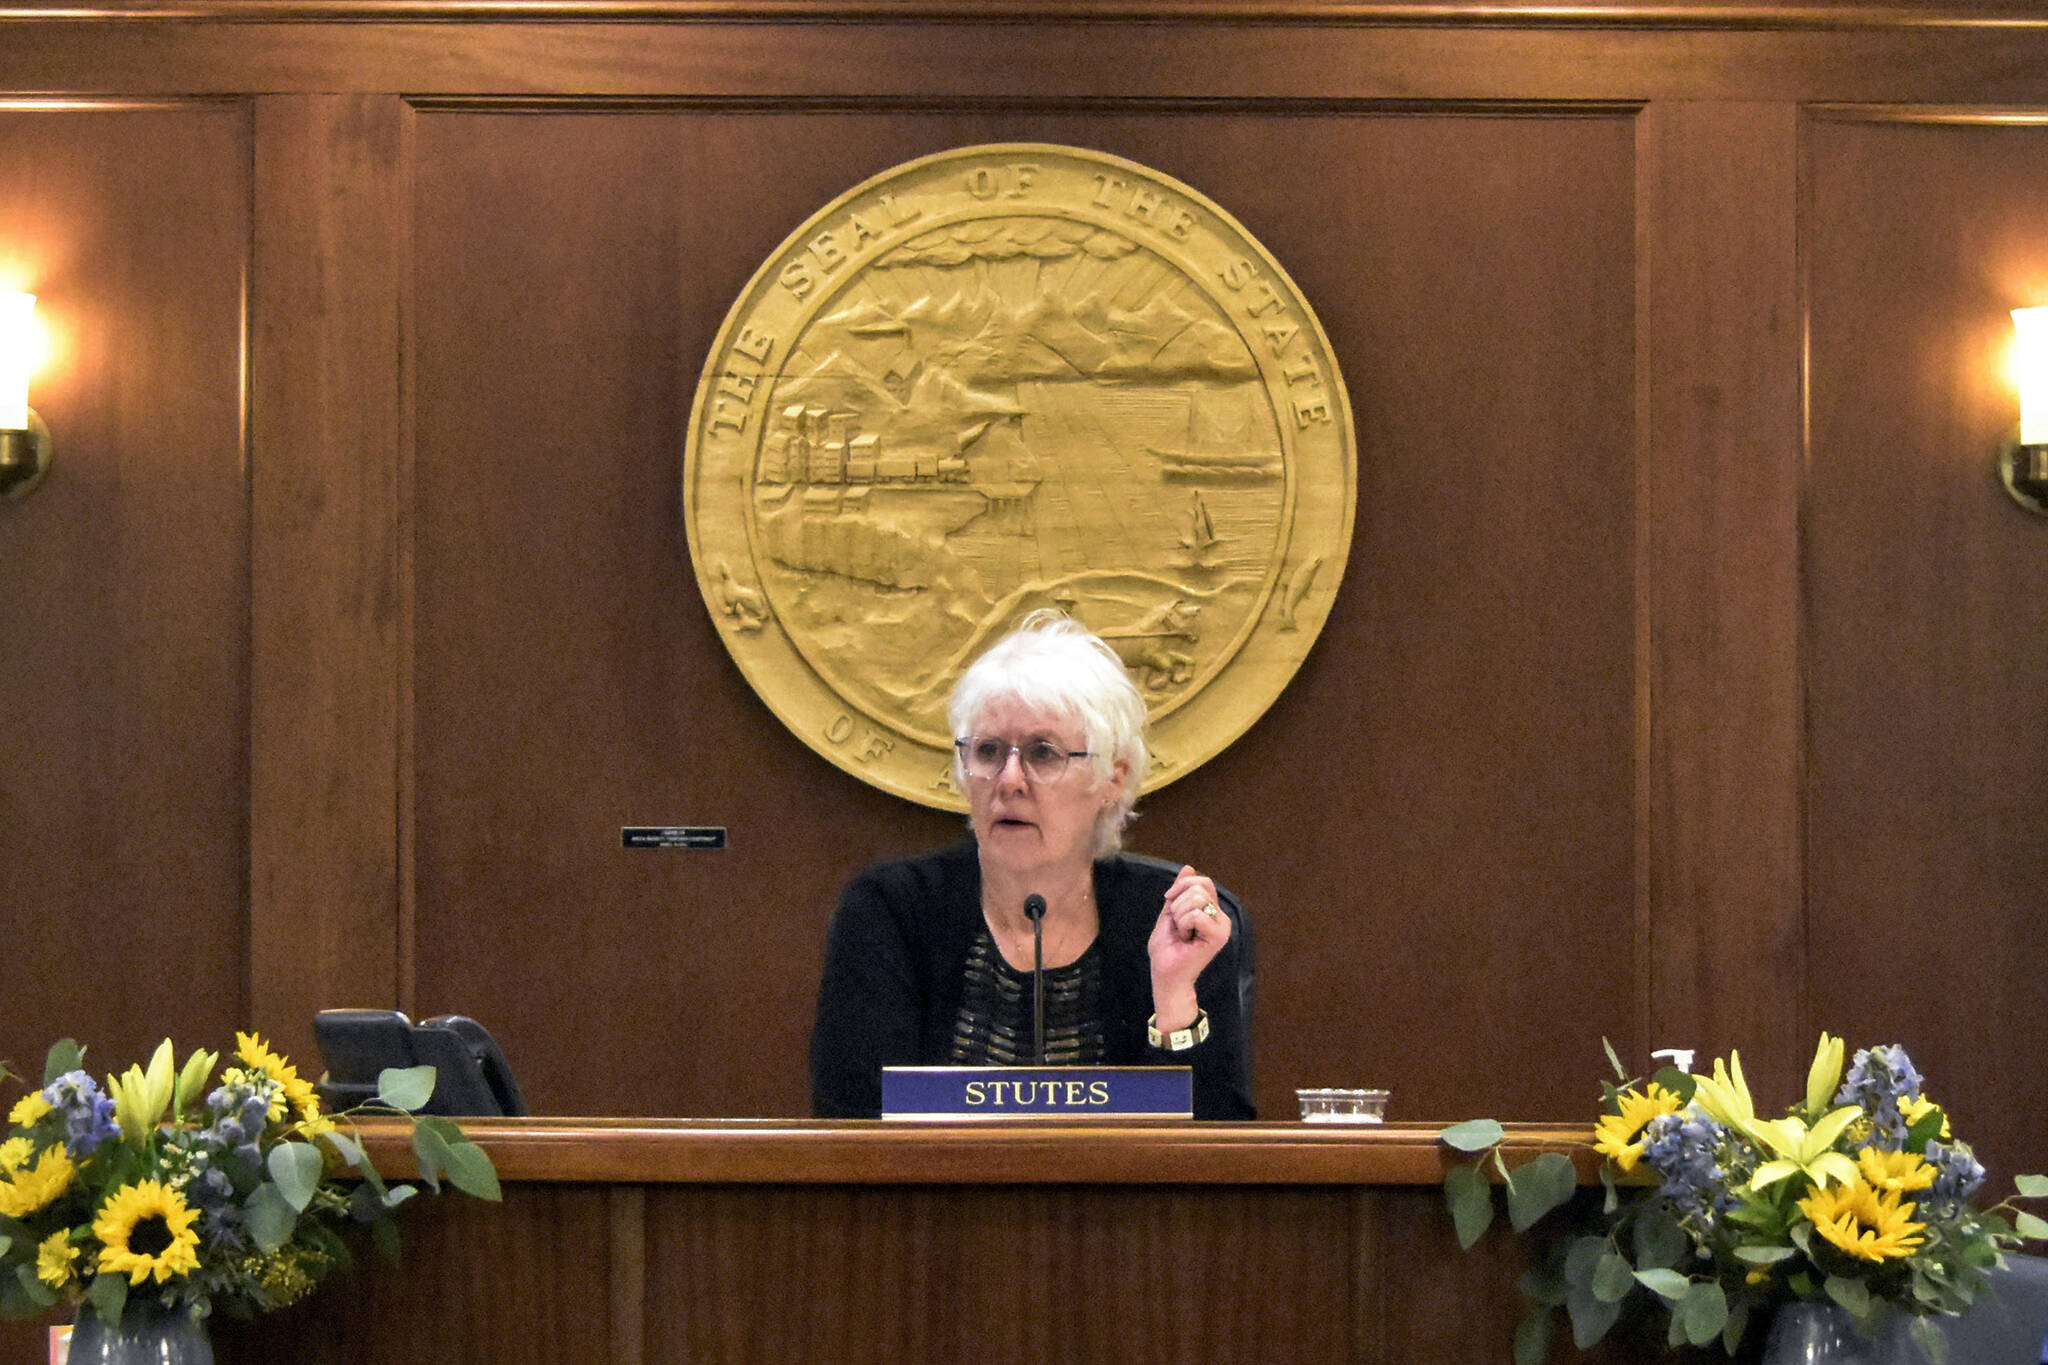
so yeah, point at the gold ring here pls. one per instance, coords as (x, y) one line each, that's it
(1209, 910)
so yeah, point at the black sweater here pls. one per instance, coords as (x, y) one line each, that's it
(896, 959)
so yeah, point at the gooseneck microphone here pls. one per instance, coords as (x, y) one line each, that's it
(1034, 910)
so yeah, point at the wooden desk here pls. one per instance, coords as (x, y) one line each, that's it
(646, 1242)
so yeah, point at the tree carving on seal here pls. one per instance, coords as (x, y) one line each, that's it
(1003, 378)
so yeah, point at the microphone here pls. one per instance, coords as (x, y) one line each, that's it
(1034, 910)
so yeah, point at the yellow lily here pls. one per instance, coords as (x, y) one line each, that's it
(1725, 1097)
(1806, 1151)
(1824, 1077)
(140, 1099)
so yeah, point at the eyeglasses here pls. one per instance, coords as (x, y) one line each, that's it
(985, 757)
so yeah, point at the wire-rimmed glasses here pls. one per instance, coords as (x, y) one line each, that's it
(985, 756)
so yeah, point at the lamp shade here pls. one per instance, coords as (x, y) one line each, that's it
(2030, 372)
(17, 358)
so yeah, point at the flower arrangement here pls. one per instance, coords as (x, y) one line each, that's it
(201, 1199)
(1712, 1216)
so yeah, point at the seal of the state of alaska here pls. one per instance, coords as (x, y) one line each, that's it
(1003, 378)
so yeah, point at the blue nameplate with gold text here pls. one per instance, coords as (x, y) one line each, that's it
(1037, 1092)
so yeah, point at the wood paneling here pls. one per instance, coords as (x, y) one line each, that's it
(124, 790)
(1627, 722)
(328, 586)
(1485, 645)
(728, 1242)
(1719, 353)
(1928, 680)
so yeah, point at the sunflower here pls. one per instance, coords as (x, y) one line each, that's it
(1895, 1172)
(54, 1259)
(1619, 1136)
(145, 1229)
(14, 1154)
(293, 1087)
(1864, 1223)
(27, 1189)
(29, 1109)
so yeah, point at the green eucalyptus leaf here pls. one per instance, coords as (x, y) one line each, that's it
(1737, 1324)
(297, 1168)
(1660, 1241)
(108, 1297)
(271, 1218)
(1544, 1283)
(1582, 1260)
(33, 1289)
(1591, 1316)
(2028, 1225)
(1471, 1203)
(366, 1205)
(1764, 1255)
(1620, 1071)
(1674, 1330)
(1704, 1312)
(397, 1195)
(1931, 1342)
(1667, 1285)
(1539, 1187)
(1925, 1130)
(1473, 1135)
(405, 1087)
(5, 1242)
(384, 1236)
(1613, 1278)
(2032, 1186)
(15, 1304)
(1852, 1295)
(1611, 1200)
(1532, 1336)
(65, 1055)
(346, 1149)
(469, 1166)
(430, 1152)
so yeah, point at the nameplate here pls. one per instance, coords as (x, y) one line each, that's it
(951, 1093)
(672, 836)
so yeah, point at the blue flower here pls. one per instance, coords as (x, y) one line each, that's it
(88, 1114)
(1685, 1151)
(1881, 1080)
(1957, 1176)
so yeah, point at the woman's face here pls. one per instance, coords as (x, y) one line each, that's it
(1024, 822)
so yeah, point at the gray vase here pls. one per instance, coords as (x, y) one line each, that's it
(1823, 1334)
(149, 1334)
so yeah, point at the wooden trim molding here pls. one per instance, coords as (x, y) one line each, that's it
(811, 1152)
(1844, 15)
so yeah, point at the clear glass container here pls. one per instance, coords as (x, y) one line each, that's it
(1343, 1106)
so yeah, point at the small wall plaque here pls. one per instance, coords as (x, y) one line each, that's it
(950, 1093)
(672, 836)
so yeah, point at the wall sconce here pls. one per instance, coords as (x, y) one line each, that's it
(2023, 463)
(24, 440)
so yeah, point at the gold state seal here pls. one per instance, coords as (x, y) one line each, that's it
(1003, 378)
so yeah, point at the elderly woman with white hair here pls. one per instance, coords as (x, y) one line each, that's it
(929, 960)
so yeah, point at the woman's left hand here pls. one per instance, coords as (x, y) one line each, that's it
(1190, 931)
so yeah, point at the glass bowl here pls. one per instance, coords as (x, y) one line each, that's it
(1342, 1106)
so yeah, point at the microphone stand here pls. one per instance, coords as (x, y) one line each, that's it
(1034, 910)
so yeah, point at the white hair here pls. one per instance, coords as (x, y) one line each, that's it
(1053, 663)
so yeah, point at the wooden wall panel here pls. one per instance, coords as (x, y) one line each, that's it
(1928, 679)
(123, 641)
(1719, 347)
(572, 269)
(328, 587)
